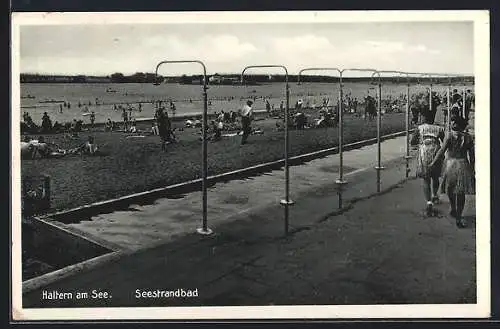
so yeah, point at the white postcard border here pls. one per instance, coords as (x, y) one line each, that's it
(481, 72)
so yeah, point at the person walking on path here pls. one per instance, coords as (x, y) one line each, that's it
(428, 137)
(459, 172)
(246, 119)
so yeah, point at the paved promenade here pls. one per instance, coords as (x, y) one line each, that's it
(379, 249)
(145, 226)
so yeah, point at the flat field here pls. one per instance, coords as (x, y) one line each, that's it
(138, 164)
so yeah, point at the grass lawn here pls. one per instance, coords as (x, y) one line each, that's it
(138, 164)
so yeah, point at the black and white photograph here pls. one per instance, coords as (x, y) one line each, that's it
(250, 165)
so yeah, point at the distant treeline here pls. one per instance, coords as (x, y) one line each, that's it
(113, 78)
(335, 79)
(226, 79)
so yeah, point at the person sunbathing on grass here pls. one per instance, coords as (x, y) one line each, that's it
(280, 124)
(27, 149)
(109, 125)
(133, 127)
(49, 150)
(325, 120)
(300, 120)
(43, 149)
(89, 148)
(216, 130)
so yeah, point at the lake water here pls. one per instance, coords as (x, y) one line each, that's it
(38, 98)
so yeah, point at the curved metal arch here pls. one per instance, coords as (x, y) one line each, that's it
(340, 179)
(396, 72)
(264, 66)
(285, 202)
(407, 116)
(182, 62)
(360, 70)
(204, 229)
(318, 69)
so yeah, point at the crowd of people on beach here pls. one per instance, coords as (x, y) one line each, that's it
(419, 104)
(445, 158)
(325, 114)
(28, 126)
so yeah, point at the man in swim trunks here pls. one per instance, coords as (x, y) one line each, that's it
(246, 119)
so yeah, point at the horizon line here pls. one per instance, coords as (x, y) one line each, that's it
(228, 73)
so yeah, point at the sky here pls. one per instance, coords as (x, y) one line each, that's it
(444, 47)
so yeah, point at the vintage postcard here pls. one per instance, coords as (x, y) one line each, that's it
(250, 165)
